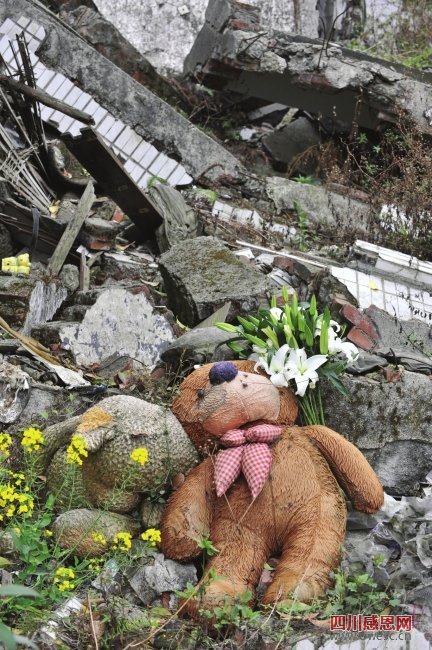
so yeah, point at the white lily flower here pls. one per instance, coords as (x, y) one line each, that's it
(333, 326)
(349, 350)
(276, 312)
(275, 369)
(302, 369)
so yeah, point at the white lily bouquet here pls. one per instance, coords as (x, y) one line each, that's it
(295, 346)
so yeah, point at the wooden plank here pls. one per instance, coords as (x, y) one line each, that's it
(46, 99)
(100, 161)
(84, 273)
(72, 229)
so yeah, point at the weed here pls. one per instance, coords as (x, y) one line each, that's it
(207, 546)
(235, 613)
(306, 180)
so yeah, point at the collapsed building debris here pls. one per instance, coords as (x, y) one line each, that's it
(235, 53)
(143, 113)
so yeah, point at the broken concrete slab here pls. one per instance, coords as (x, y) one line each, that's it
(121, 321)
(152, 118)
(390, 423)
(14, 392)
(184, 21)
(31, 300)
(202, 274)
(339, 83)
(287, 143)
(107, 40)
(180, 221)
(199, 345)
(321, 207)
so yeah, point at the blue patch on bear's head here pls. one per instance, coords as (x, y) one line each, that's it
(222, 371)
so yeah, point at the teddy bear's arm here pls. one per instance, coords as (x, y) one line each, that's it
(350, 467)
(188, 516)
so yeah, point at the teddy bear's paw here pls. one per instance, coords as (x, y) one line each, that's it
(292, 588)
(221, 592)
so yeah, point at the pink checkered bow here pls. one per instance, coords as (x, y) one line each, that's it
(249, 454)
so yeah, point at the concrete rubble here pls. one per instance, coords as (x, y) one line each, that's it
(235, 53)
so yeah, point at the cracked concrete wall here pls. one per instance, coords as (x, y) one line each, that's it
(165, 30)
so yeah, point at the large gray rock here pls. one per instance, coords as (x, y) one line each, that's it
(202, 274)
(199, 345)
(327, 209)
(122, 323)
(286, 143)
(390, 423)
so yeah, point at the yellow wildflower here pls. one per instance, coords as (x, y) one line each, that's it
(47, 532)
(77, 450)
(95, 564)
(32, 439)
(98, 538)
(152, 536)
(5, 443)
(122, 541)
(63, 578)
(140, 455)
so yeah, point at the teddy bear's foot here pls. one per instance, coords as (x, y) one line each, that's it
(221, 591)
(296, 587)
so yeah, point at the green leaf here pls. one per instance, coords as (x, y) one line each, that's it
(17, 590)
(227, 327)
(235, 347)
(254, 320)
(4, 562)
(339, 386)
(272, 336)
(308, 336)
(294, 306)
(313, 306)
(44, 415)
(255, 340)
(285, 294)
(6, 637)
(250, 327)
(324, 339)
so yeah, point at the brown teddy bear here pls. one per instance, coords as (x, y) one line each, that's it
(274, 489)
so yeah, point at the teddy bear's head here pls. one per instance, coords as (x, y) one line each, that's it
(226, 395)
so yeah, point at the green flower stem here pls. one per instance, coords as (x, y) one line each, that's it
(311, 407)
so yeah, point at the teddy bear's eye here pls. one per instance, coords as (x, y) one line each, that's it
(200, 393)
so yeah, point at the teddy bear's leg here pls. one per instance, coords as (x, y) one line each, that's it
(234, 570)
(189, 513)
(312, 549)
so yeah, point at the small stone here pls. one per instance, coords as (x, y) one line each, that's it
(159, 576)
(14, 392)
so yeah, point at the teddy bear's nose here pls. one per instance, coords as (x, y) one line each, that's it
(222, 371)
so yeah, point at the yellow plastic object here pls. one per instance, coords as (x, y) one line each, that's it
(23, 260)
(20, 264)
